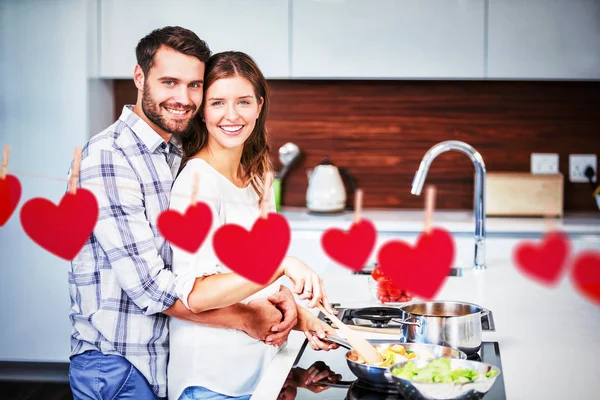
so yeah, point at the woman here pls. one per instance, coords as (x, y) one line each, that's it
(229, 153)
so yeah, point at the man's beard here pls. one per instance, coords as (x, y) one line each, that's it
(153, 112)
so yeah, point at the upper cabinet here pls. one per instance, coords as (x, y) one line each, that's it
(368, 39)
(544, 39)
(257, 27)
(388, 39)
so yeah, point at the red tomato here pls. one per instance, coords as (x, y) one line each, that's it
(394, 292)
(382, 290)
(385, 299)
(377, 274)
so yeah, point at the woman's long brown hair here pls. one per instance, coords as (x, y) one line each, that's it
(255, 156)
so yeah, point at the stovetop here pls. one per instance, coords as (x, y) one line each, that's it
(383, 317)
(345, 386)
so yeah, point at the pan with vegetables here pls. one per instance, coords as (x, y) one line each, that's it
(392, 353)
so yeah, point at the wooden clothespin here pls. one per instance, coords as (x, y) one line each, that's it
(429, 207)
(549, 222)
(74, 179)
(195, 188)
(5, 161)
(358, 200)
(264, 205)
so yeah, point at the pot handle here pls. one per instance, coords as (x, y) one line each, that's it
(404, 322)
(484, 312)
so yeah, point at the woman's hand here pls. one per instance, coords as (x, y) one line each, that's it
(307, 283)
(315, 330)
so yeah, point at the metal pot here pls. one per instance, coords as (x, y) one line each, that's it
(377, 375)
(445, 323)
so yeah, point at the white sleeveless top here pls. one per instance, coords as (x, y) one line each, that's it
(226, 361)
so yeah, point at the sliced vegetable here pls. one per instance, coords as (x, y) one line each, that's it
(438, 371)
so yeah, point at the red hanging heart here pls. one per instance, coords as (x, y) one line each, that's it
(351, 249)
(62, 230)
(543, 262)
(254, 254)
(586, 275)
(10, 194)
(420, 270)
(186, 231)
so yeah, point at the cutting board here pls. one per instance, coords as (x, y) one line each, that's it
(517, 194)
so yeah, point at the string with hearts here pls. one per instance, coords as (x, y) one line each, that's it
(351, 249)
(548, 260)
(422, 269)
(65, 227)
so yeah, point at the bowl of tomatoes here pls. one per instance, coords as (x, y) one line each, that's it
(385, 290)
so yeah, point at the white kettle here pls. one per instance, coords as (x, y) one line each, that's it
(326, 191)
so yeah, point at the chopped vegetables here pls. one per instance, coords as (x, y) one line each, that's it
(392, 354)
(439, 370)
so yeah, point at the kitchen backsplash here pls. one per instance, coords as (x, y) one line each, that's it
(380, 130)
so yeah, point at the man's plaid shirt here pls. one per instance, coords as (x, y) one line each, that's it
(121, 281)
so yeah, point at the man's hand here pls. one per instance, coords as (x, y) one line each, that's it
(262, 316)
(285, 302)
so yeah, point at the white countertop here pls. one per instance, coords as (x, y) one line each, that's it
(392, 220)
(549, 338)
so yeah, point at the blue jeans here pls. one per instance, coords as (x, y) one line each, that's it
(202, 393)
(98, 376)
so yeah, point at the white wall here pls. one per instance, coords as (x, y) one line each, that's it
(43, 116)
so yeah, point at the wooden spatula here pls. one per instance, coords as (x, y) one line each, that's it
(360, 344)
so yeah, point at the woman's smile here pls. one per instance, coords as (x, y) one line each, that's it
(232, 130)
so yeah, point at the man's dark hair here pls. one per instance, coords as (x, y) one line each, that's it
(177, 38)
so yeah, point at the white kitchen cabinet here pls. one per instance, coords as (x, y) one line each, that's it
(388, 39)
(306, 246)
(544, 39)
(257, 27)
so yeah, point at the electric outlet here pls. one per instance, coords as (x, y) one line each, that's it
(578, 164)
(543, 163)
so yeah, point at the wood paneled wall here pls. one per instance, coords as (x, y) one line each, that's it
(380, 130)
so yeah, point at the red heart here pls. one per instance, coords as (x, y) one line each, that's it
(420, 270)
(186, 231)
(257, 254)
(586, 275)
(543, 262)
(10, 194)
(351, 249)
(62, 230)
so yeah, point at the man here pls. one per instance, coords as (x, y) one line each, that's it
(121, 285)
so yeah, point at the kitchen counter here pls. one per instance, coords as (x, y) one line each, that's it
(410, 221)
(549, 338)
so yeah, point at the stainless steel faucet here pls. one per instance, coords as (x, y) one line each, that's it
(419, 180)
